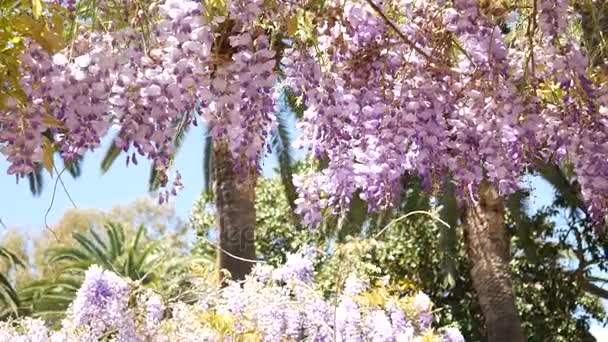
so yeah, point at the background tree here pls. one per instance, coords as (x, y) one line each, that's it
(141, 240)
(419, 252)
(459, 101)
(9, 298)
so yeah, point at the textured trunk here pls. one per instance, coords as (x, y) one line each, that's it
(488, 249)
(235, 196)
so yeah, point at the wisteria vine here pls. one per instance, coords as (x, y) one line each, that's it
(273, 304)
(434, 88)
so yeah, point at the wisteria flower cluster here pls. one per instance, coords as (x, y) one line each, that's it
(272, 304)
(434, 88)
(222, 70)
(384, 100)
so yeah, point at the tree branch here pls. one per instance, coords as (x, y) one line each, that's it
(396, 29)
(595, 290)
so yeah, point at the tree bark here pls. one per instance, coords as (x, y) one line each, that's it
(488, 249)
(235, 197)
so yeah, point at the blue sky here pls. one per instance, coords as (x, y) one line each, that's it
(122, 185)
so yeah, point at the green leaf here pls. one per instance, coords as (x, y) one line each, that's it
(292, 25)
(13, 259)
(154, 181)
(35, 180)
(352, 223)
(93, 250)
(294, 103)
(140, 231)
(115, 241)
(517, 205)
(108, 160)
(562, 185)
(207, 163)
(36, 8)
(8, 293)
(74, 167)
(67, 253)
(282, 144)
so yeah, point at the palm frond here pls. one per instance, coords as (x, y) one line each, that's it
(566, 192)
(134, 258)
(109, 158)
(207, 163)
(281, 142)
(116, 237)
(13, 259)
(155, 181)
(518, 206)
(35, 180)
(8, 295)
(74, 167)
(98, 254)
(67, 254)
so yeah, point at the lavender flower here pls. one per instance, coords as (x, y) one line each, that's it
(101, 304)
(379, 327)
(298, 267)
(452, 335)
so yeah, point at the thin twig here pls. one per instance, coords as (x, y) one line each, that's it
(401, 218)
(530, 33)
(65, 189)
(232, 255)
(46, 225)
(3, 225)
(396, 29)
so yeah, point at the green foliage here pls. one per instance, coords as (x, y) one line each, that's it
(132, 257)
(281, 142)
(21, 20)
(594, 15)
(553, 298)
(276, 231)
(9, 299)
(161, 263)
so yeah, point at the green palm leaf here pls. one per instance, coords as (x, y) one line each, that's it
(281, 142)
(134, 258)
(207, 163)
(35, 180)
(74, 167)
(183, 127)
(8, 295)
(109, 158)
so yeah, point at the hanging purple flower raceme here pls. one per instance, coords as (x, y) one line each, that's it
(102, 304)
(22, 126)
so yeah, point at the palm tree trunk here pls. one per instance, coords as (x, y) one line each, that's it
(235, 196)
(488, 249)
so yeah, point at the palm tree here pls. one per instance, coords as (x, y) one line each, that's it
(234, 194)
(9, 299)
(590, 246)
(488, 248)
(136, 258)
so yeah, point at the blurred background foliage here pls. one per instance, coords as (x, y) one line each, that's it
(559, 262)
(557, 256)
